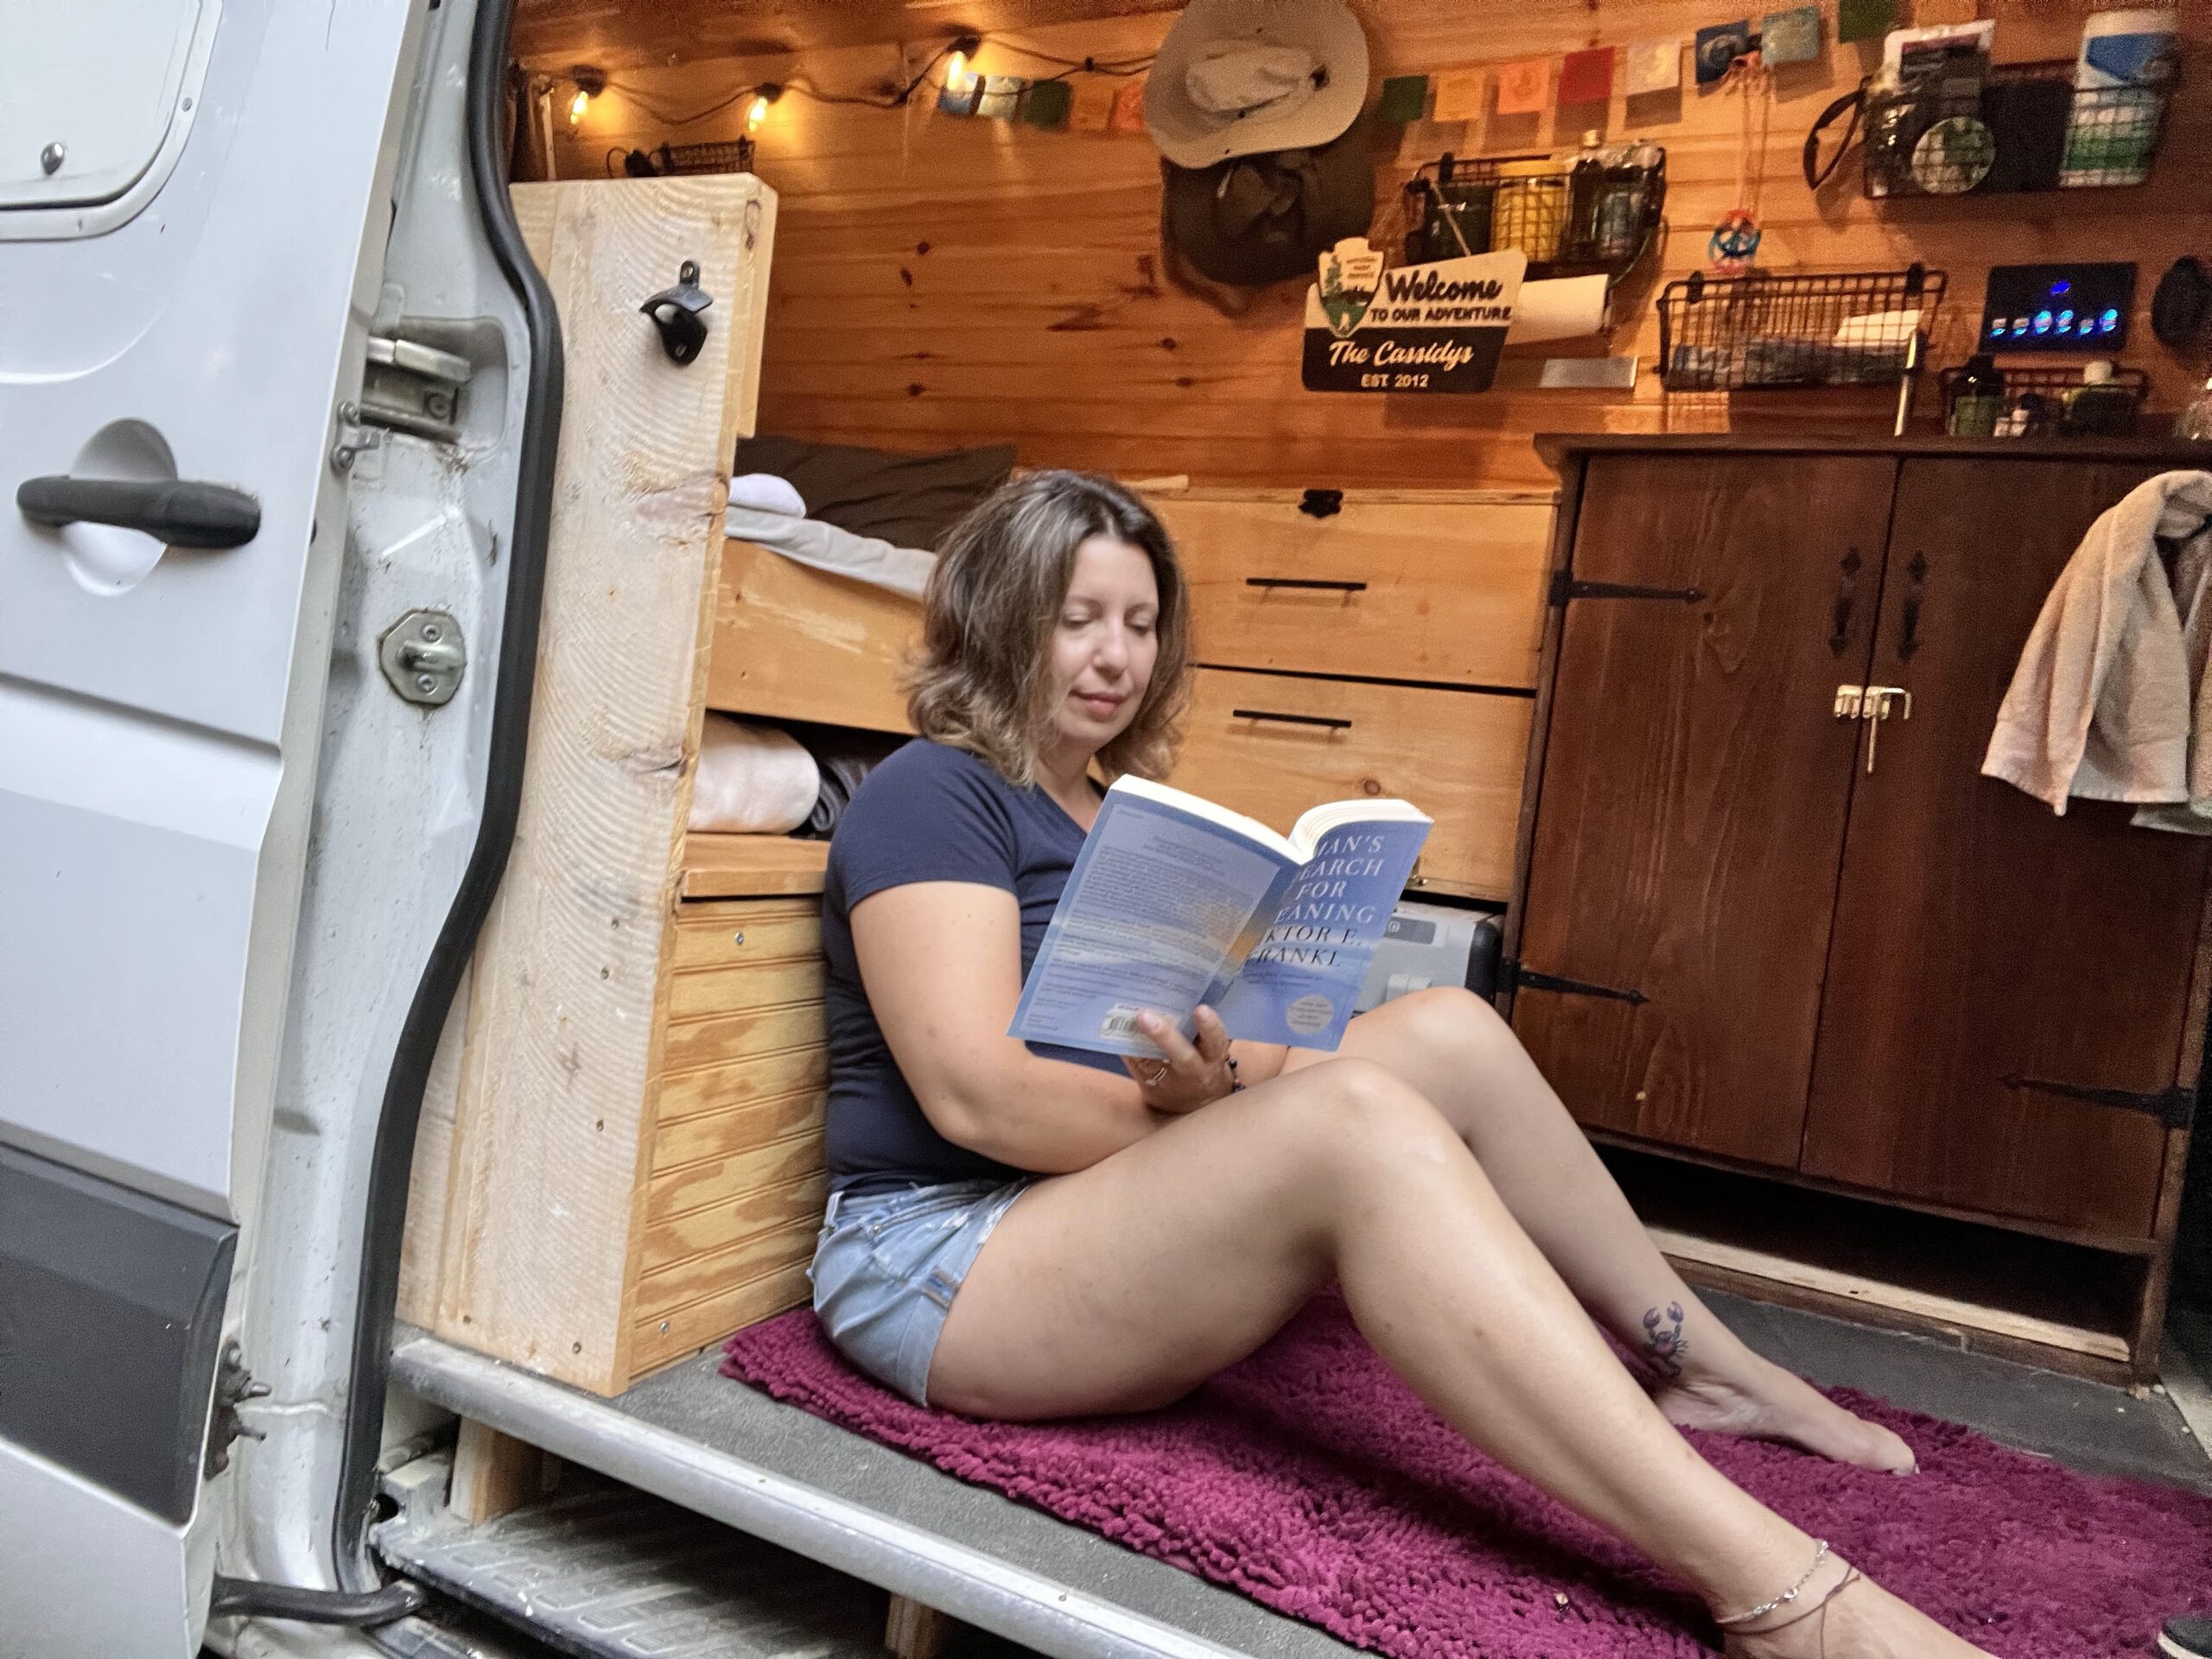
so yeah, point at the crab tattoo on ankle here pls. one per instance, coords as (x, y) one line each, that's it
(1664, 1344)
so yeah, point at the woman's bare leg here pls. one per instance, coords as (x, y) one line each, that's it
(1454, 1050)
(1123, 1286)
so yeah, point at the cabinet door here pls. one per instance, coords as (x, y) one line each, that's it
(1695, 790)
(1979, 936)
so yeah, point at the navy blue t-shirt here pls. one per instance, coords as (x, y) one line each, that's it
(929, 813)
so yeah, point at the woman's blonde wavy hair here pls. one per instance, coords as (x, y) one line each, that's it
(984, 680)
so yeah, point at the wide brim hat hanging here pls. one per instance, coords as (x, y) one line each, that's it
(1238, 77)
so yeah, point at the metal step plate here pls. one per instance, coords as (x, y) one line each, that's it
(603, 1571)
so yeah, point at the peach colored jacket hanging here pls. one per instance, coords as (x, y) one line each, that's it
(2111, 700)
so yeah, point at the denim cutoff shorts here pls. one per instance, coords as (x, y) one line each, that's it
(888, 1266)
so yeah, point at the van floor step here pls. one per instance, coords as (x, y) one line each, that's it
(603, 1571)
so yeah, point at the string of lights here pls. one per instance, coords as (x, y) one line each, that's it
(955, 54)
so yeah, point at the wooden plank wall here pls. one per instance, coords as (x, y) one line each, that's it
(941, 281)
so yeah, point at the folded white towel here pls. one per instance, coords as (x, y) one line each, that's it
(826, 546)
(765, 492)
(753, 780)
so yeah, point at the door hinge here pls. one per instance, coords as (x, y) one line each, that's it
(1512, 975)
(235, 1386)
(411, 387)
(1564, 587)
(2172, 1107)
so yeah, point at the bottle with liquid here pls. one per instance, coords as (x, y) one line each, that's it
(2100, 408)
(1585, 188)
(1623, 204)
(1978, 403)
(2194, 425)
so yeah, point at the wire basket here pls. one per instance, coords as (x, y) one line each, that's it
(1579, 216)
(733, 156)
(1855, 329)
(2046, 403)
(2019, 127)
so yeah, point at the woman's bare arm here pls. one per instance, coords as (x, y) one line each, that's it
(941, 963)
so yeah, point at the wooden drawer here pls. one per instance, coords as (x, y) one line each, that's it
(1391, 589)
(1457, 755)
(798, 644)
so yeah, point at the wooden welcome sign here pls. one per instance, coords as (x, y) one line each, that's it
(1434, 328)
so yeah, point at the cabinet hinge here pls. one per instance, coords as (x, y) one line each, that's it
(2172, 1107)
(1564, 587)
(1512, 975)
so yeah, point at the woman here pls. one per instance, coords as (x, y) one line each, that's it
(1020, 1233)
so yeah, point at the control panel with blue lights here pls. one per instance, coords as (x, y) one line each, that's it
(2057, 307)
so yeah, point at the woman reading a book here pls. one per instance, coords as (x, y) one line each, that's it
(1018, 1232)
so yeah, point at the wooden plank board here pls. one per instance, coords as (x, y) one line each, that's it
(797, 1156)
(549, 1141)
(685, 1330)
(703, 993)
(693, 1044)
(718, 934)
(791, 1205)
(738, 866)
(959, 281)
(494, 1473)
(681, 1284)
(737, 1085)
(1457, 755)
(1423, 591)
(1875, 1293)
(795, 643)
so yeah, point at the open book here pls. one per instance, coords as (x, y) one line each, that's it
(1174, 902)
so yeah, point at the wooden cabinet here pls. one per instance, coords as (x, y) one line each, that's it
(1984, 946)
(1755, 931)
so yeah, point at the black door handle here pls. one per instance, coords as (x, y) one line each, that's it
(177, 511)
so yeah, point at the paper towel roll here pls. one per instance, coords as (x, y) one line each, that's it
(1565, 308)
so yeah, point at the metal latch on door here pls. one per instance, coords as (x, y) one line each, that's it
(1873, 704)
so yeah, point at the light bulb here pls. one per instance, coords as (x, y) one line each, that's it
(956, 73)
(756, 113)
(577, 105)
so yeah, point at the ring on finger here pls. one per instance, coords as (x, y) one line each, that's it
(1159, 1074)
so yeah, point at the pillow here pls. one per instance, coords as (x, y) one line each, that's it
(907, 500)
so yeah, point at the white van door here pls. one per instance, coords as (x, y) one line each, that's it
(194, 205)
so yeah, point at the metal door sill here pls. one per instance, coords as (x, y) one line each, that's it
(725, 1452)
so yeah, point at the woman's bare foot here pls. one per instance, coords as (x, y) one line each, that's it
(1768, 1403)
(1859, 1621)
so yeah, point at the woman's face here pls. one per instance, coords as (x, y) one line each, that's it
(1106, 642)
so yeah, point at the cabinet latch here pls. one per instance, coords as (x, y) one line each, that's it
(1513, 976)
(2172, 1107)
(1564, 587)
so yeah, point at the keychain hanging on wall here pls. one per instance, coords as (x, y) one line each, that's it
(1734, 244)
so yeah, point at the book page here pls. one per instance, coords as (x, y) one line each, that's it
(1299, 982)
(1159, 903)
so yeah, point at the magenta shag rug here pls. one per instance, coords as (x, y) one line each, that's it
(1310, 1479)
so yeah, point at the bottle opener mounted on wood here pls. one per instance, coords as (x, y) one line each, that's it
(675, 312)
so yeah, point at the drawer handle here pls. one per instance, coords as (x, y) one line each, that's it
(1307, 582)
(1329, 720)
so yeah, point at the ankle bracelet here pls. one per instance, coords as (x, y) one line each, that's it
(1820, 1554)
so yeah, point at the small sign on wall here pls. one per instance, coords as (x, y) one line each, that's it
(1433, 328)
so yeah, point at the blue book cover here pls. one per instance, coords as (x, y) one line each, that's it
(1175, 902)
